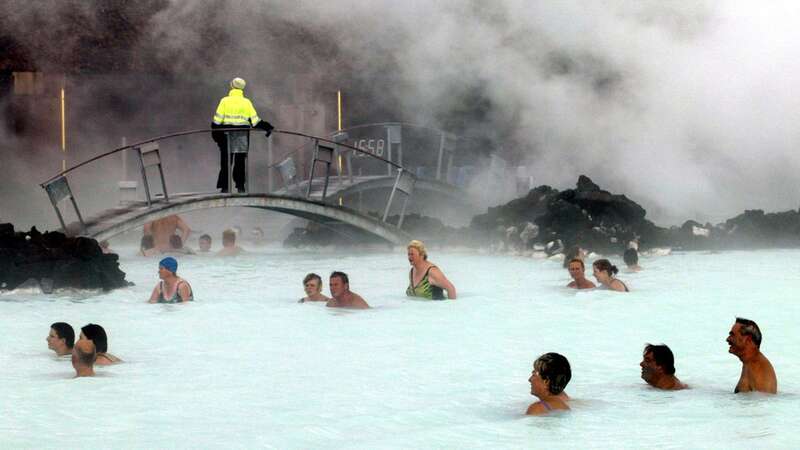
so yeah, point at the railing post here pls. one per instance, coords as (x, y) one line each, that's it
(404, 182)
(439, 159)
(58, 190)
(144, 176)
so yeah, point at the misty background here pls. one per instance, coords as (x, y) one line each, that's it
(685, 107)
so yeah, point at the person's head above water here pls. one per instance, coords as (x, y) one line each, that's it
(84, 355)
(554, 371)
(228, 238)
(147, 242)
(416, 249)
(631, 257)
(312, 283)
(576, 268)
(175, 242)
(97, 335)
(658, 367)
(339, 283)
(167, 267)
(744, 335)
(61, 338)
(204, 243)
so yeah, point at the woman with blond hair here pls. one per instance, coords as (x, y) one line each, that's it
(425, 279)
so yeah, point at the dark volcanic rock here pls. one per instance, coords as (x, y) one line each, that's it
(55, 261)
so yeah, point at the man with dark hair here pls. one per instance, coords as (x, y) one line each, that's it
(744, 341)
(312, 284)
(658, 368)
(205, 243)
(61, 338)
(342, 296)
(83, 357)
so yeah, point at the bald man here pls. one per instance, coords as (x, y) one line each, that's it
(83, 356)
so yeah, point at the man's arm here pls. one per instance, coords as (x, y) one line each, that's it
(185, 230)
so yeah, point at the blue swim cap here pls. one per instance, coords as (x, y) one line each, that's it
(169, 263)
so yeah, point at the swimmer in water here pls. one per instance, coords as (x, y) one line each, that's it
(61, 338)
(147, 246)
(744, 341)
(658, 368)
(604, 272)
(312, 283)
(171, 288)
(163, 228)
(204, 243)
(176, 246)
(97, 335)
(631, 258)
(229, 247)
(342, 296)
(83, 358)
(576, 271)
(551, 374)
(425, 279)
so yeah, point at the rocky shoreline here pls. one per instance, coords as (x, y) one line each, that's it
(51, 260)
(591, 218)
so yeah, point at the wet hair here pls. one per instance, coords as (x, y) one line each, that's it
(65, 332)
(98, 335)
(147, 242)
(228, 236)
(87, 358)
(631, 257)
(420, 247)
(574, 252)
(749, 328)
(605, 265)
(312, 276)
(577, 260)
(663, 356)
(340, 275)
(205, 237)
(175, 241)
(554, 369)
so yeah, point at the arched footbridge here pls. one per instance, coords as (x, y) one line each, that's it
(313, 192)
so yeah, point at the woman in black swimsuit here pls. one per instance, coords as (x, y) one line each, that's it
(604, 272)
(171, 288)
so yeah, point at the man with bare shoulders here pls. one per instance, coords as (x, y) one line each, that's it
(658, 368)
(342, 296)
(83, 357)
(576, 271)
(162, 229)
(744, 341)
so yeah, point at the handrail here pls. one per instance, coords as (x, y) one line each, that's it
(186, 133)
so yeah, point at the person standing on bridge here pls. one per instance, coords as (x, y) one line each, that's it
(234, 111)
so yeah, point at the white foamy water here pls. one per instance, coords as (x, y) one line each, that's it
(245, 366)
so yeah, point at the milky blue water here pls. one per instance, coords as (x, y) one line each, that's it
(246, 366)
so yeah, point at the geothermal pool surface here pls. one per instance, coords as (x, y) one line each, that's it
(246, 366)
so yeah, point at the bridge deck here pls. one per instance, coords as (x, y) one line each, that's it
(345, 221)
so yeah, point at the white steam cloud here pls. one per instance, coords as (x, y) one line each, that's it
(687, 107)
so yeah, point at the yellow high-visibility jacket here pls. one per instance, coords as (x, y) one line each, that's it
(235, 110)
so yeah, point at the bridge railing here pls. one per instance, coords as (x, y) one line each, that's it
(326, 152)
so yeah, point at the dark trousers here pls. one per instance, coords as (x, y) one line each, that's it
(239, 164)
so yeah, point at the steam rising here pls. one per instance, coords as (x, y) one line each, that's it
(687, 107)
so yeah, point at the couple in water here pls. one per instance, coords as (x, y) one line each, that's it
(339, 284)
(90, 350)
(603, 271)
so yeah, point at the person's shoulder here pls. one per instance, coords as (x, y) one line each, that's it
(536, 409)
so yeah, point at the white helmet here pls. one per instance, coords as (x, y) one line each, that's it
(238, 83)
